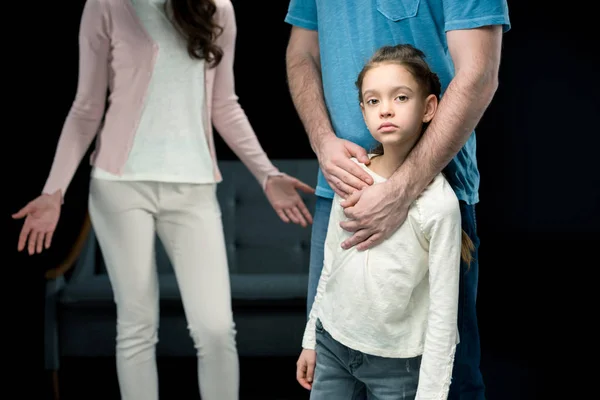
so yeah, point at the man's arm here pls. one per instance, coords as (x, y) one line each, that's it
(376, 213)
(303, 66)
(476, 57)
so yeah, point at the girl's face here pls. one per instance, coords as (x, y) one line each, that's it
(394, 106)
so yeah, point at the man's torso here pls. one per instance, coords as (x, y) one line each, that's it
(349, 33)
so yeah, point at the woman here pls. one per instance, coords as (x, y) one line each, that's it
(168, 71)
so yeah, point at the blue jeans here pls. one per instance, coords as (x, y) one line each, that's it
(345, 374)
(467, 382)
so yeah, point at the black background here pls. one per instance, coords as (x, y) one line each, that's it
(538, 218)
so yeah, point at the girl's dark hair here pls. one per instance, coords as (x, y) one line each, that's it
(410, 58)
(194, 19)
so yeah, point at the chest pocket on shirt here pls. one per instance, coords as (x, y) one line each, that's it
(397, 10)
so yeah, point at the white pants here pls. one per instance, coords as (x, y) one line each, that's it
(187, 219)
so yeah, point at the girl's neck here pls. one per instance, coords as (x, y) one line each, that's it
(392, 158)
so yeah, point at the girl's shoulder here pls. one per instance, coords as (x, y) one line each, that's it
(439, 200)
(377, 178)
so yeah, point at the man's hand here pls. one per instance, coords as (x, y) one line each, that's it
(305, 368)
(373, 215)
(303, 66)
(343, 175)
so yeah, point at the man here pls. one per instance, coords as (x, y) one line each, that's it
(329, 43)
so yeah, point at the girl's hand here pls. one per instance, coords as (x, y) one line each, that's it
(305, 368)
(42, 216)
(282, 192)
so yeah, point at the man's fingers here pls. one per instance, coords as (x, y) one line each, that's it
(352, 174)
(372, 241)
(340, 188)
(350, 202)
(358, 237)
(348, 205)
(357, 152)
(347, 178)
(350, 225)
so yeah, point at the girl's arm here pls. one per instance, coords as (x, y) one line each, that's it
(85, 115)
(331, 242)
(227, 115)
(444, 233)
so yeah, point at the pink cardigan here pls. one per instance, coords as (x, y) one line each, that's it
(116, 53)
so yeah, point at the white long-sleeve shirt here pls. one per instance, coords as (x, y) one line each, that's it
(398, 299)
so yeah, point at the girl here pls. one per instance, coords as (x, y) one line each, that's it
(384, 321)
(168, 69)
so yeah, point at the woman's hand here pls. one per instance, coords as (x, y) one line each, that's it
(282, 192)
(41, 216)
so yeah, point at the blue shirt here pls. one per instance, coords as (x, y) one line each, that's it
(350, 31)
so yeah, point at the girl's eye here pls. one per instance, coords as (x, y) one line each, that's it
(402, 98)
(372, 101)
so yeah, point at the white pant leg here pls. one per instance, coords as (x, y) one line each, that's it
(122, 214)
(189, 226)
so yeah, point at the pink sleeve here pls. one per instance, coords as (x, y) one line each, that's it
(85, 115)
(228, 116)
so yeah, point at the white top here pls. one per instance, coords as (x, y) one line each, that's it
(398, 299)
(170, 144)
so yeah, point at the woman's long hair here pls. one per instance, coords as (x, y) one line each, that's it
(194, 19)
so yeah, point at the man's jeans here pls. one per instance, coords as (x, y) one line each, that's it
(467, 382)
(346, 374)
